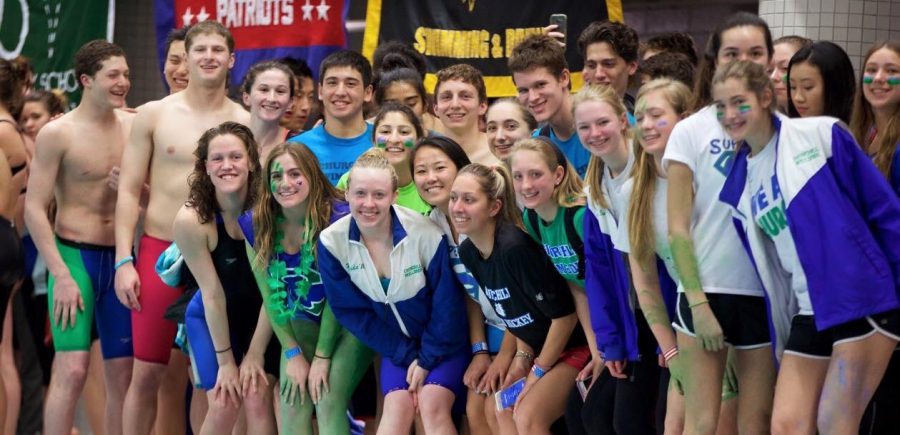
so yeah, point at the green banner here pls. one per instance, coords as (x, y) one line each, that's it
(49, 32)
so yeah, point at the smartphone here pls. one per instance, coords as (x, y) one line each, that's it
(561, 21)
(506, 397)
(583, 386)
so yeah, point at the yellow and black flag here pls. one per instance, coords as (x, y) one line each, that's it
(479, 32)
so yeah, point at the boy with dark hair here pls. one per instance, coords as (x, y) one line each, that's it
(677, 42)
(175, 68)
(667, 64)
(610, 52)
(460, 102)
(542, 79)
(345, 85)
(304, 93)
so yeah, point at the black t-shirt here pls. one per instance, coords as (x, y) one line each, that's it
(523, 286)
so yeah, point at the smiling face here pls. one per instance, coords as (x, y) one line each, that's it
(599, 128)
(396, 134)
(270, 95)
(603, 66)
(533, 180)
(110, 85)
(807, 90)
(295, 116)
(541, 92)
(471, 211)
(655, 118)
(227, 163)
(34, 116)
(175, 69)
(458, 105)
(881, 80)
(743, 43)
(406, 94)
(739, 110)
(505, 125)
(209, 59)
(288, 184)
(343, 93)
(370, 194)
(434, 173)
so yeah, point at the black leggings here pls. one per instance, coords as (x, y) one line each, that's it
(621, 406)
(12, 263)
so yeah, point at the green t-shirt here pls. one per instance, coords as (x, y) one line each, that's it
(556, 243)
(407, 196)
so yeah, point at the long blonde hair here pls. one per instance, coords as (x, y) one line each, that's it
(594, 175)
(570, 190)
(641, 236)
(496, 183)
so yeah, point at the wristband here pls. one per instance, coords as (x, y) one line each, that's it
(224, 350)
(480, 347)
(292, 352)
(697, 304)
(320, 356)
(123, 262)
(523, 354)
(671, 353)
(538, 371)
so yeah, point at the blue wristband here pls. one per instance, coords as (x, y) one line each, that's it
(123, 262)
(538, 372)
(292, 352)
(480, 347)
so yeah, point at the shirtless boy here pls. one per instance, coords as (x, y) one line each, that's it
(460, 102)
(73, 156)
(161, 145)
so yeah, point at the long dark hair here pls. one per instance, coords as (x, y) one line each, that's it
(202, 195)
(703, 78)
(838, 81)
(448, 146)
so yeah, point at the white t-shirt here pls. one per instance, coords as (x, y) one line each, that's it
(610, 218)
(700, 143)
(658, 220)
(763, 201)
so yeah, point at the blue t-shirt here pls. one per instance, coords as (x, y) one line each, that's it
(336, 155)
(573, 150)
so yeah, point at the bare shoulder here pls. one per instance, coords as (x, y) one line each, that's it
(187, 220)
(55, 134)
(239, 114)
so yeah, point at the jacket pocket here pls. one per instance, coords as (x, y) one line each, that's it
(870, 250)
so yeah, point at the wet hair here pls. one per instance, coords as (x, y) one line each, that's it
(640, 210)
(261, 67)
(401, 75)
(465, 73)
(54, 101)
(202, 194)
(175, 35)
(298, 66)
(347, 58)
(570, 191)
(538, 51)
(447, 146)
(668, 64)
(374, 158)
(496, 184)
(593, 178)
(523, 112)
(703, 78)
(322, 196)
(863, 120)
(90, 57)
(620, 37)
(407, 113)
(797, 41)
(394, 55)
(671, 42)
(838, 81)
(208, 27)
(11, 87)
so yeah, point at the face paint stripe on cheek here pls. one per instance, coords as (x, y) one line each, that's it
(868, 80)
(409, 143)
(381, 142)
(744, 109)
(893, 81)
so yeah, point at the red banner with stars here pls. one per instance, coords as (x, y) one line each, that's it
(262, 29)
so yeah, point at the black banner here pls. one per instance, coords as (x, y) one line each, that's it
(479, 32)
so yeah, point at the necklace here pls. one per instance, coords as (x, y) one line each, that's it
(284, 308)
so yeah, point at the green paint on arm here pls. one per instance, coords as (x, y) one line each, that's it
(686, 262)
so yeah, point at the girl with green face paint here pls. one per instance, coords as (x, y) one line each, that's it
(321, 362)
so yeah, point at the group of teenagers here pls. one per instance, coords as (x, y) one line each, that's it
(722, 259)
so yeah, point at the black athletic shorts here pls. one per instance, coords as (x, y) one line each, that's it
(743, 319)
(808, 342)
